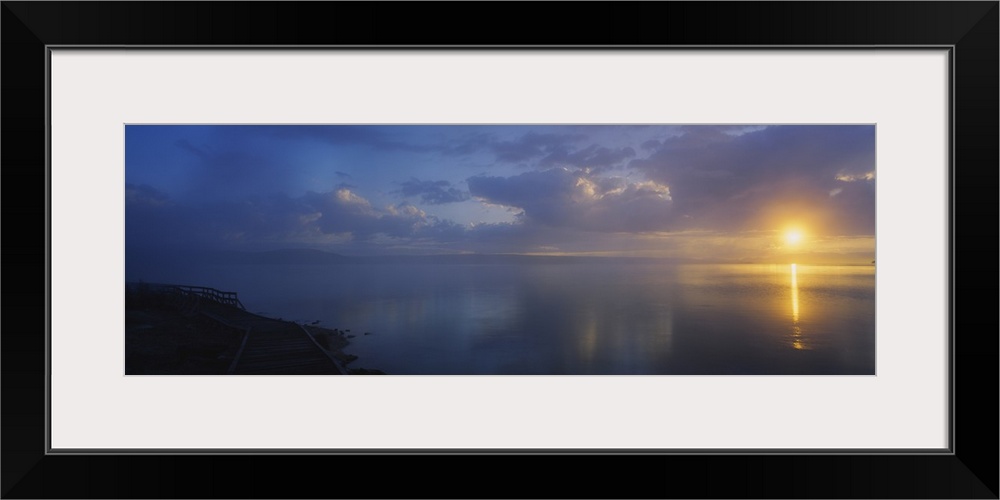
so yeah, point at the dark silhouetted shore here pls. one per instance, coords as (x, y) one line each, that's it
(168, 332)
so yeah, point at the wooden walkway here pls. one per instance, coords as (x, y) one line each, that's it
(273, 347)
(268, 347)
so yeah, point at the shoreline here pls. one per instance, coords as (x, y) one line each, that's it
(165, 336)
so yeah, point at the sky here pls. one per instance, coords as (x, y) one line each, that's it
(740, 193)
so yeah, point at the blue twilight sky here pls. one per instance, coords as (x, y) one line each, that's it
(725, 192)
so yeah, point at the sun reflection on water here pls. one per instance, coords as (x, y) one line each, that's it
(796, 329)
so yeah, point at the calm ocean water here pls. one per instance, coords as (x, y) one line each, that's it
(574, 318)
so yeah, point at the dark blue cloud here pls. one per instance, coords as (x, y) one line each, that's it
(594, 157)
(579, 199)
(187, 146)
(432, 192)
(722, 179)
(382, 138)
(229, 171)
(144, 194)
(534, 145)
(557, 149)
(274, 221)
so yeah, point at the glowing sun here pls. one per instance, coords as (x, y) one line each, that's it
(793, 237)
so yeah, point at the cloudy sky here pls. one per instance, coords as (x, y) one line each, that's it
(735, 192)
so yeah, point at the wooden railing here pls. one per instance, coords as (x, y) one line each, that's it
(227, 298)
(192, 292)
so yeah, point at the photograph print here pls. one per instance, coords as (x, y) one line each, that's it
(617, 249)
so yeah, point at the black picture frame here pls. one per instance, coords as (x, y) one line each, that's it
(969, 28)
